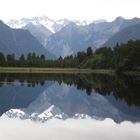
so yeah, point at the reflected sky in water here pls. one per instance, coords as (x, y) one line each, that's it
(70, 129)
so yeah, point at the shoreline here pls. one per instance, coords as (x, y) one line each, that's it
(63, 70)
(53, 70)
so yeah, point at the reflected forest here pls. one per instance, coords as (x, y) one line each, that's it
(124, 88)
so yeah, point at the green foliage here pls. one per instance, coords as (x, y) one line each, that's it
(89, 51)
(127, 56)
(21, 61)
(2, 60)
(10, 60)
(93, 62)
(123, 57)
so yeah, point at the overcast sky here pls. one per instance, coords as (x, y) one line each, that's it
(71, 9)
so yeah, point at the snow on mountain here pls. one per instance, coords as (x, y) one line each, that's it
(14, 23)
(43, 28)
(48, 23)
(53, 25)
(67, 37)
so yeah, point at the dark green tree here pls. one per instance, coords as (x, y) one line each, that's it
(11, 60)
(2, 60)
(22, 61)
(89, 51)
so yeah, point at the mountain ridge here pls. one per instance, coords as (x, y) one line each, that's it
(123, 36)
(52, 25)
(71, 37)
(19, 41)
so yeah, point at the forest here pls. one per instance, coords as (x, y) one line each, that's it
(122, 57)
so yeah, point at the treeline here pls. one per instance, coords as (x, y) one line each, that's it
(122, 57)
(33, 60)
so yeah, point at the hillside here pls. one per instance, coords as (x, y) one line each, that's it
(123, 36)
(19, 41)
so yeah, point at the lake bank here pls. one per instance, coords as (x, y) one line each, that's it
(53, 70)
(62, 70)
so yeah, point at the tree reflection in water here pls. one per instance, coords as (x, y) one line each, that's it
(125, 88)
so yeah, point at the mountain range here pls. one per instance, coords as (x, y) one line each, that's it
(73, 38)
(65, 37)
(52, 25)
(19, 41)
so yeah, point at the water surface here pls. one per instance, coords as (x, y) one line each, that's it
(69, 101)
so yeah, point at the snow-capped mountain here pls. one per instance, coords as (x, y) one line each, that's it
(73, 38)
(43, 27)
(67, 37)
(53, 25)
(48, 23)
(19, 41)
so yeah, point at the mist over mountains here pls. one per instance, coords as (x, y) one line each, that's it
(65, 37)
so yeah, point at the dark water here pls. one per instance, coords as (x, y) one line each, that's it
(41, 97)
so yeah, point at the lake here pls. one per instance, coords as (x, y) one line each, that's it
(69, 106)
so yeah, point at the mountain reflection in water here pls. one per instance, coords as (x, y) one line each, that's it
(41, 97)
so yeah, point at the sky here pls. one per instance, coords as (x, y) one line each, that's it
(70, 129)
(71, 9)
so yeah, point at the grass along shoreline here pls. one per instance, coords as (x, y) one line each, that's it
(63, 70)
(52, 70)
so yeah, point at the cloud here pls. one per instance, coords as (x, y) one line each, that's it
(71, 129)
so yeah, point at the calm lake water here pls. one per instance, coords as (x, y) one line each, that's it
(66, 106)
